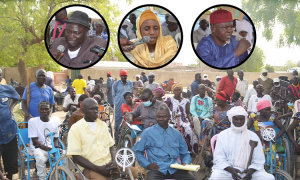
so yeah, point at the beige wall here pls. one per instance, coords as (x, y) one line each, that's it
(185, 78)
(13, 72)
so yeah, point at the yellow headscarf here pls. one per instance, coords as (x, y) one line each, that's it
(165, 48)
(175, 86)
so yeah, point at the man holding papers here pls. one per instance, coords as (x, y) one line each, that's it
(163, 145)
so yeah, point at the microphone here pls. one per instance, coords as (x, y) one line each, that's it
(145, 39)
(61, 48)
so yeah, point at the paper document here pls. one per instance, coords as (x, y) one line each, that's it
(135, 127)
(186, 167)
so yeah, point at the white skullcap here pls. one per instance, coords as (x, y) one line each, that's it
(264, 71)
(218, 77)
(276, 80)
(138, 75)
(205, 75)
(236, 111)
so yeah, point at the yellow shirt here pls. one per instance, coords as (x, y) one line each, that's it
(79, 84)
(3, 82)
(84, 142)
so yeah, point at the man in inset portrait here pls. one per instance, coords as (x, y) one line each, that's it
(74, 50)
(221, 49)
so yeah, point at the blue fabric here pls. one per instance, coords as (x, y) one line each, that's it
(144, 79)
(110, 98)
(136, 131)
(50, 82)
(200, 107)
(163, 147)
(194, 85)
(68, 81)
(8, 127)
(118, 90)
(219, 56)
(36, 97)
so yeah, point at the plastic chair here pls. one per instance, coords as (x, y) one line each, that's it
(212, 142)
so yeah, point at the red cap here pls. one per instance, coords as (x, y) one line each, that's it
(220, 16)
(123, 72)
(109, 73)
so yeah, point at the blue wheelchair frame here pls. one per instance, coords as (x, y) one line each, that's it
(23, 140)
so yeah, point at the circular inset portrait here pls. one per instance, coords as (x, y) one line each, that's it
(77, 36)
(150, 36)
(223, 36)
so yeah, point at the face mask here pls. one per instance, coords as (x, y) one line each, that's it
(290, 104)
(148, 103)
(277, 85)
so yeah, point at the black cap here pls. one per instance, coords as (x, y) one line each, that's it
(79, 17)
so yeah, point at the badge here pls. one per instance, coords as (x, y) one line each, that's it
(4, 99)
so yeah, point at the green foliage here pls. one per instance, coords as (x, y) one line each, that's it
(254, 63)
(269, 68)
(197, 63)
(22, 25)
(267, 13)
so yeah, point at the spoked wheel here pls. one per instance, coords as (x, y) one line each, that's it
(63, 173)
(281, 175)
(21, 165)
(285, 144)
(129, 141)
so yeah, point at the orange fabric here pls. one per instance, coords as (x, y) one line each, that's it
(123, 72)
(148, 14)
(125, 108)
(101, 115)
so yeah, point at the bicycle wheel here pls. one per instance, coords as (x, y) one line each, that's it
(285, 144)
(65, 139)
(63, 173)
(21, 165)
(281, 175)
(129, 141)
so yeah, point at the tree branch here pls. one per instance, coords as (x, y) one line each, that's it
(10, 18)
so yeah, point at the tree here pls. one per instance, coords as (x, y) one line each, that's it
(197, 63)
(22, 29)
(254, 63)
(267, 13)
(290, 64)
(269, 68)
(298, 63)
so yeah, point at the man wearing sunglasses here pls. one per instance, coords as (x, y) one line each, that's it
(220, 49)
(146, 110)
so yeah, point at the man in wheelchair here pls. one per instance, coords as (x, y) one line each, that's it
(38, 128)
(163, 145)
(232, 155)
(91, 145)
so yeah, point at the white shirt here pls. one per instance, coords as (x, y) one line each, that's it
(73, 54)
(242, 86)
(254, 100)
(248, 95)
(165, 31)
(36, 128)
(69, 100)
(90, 85)
(93, 126)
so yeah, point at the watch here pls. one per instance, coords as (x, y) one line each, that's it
(37, 146)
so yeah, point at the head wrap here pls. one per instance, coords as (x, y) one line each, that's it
(151, 74)
(263, 104)
(245, 26)
(43, 103)
(137, 75)
(175, 86)
(205, 78)
(128, 31)
(172, 19)
(123, 73)
(109, 73)
(159, 89)
(223, 96)
(50, 74)
(99, 22)
(276, 80)
(264, 78)
(165, 47)
(242, 157)
(220, 16)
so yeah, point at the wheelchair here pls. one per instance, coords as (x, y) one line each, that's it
(26, 162)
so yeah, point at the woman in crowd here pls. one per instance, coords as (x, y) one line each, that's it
(76, 116)
(159, 50)
(100, 27)
(181, 106)
(56, 27)
(159, 93)
(129, 106)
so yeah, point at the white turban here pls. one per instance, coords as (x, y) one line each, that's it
(244, 149)
(137, 75)
(128, 29)
(245, 26)
(151, 74)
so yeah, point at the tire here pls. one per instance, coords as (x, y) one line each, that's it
(128, 138)
(285, 144)
(21, 165)
(280, 174)
(61, 169)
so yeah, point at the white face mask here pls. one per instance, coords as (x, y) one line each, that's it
(239, 129)
(277, 85)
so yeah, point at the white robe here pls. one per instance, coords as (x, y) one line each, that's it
(226, 150)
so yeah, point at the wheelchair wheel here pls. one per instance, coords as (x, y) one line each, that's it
(285, 144)
(63, 173)
(21, 165)
(281, 175)
(293, 157)
(129, 141)
(65, 139)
